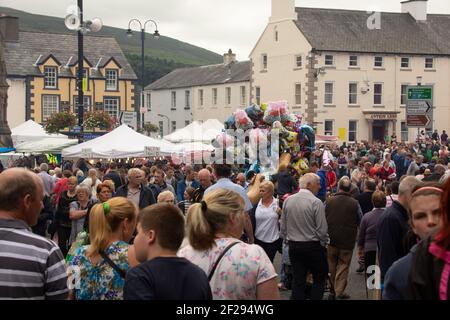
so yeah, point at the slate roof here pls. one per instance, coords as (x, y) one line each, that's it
(346, 30)
(20, 56)
(201, 76)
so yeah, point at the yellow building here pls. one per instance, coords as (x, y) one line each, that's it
(42, 69)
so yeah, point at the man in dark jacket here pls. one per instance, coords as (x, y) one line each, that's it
(286, 183)
(365, 198)
(343, 215)
(114, 176)
(135, 190)
(393, 227)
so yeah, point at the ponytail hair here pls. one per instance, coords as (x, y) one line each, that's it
(210, 216)
(105, 219)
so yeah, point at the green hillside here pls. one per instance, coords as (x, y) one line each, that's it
(162, 55)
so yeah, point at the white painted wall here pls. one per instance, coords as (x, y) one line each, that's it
(161, 103)
(16, 111)
(222, 110)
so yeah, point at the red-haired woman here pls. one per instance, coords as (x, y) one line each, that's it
(430, 272)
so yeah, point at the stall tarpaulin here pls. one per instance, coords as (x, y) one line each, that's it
(325, 139)
(122, 142)
(31, 131)
(47, 145)
(197, 132)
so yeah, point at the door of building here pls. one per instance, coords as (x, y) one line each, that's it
(379, 130)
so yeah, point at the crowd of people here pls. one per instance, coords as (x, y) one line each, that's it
(161, 231)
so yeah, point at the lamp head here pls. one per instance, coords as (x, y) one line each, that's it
(129, 33)
(156, 35)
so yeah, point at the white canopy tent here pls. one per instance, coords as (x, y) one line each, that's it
(197, 132)
(32, 131)
(47, 145)
(188, 147)
(122, 142)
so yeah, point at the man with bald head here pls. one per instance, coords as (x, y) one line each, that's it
(31, 267)
(242, 181)
(205, 180)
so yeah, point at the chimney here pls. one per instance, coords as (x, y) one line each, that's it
(416, 8)
(9, 28)
(283, 10)
(229, 58)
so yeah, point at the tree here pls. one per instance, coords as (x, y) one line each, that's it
(150, 128)
(59, 121)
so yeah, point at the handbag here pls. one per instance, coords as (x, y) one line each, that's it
(211, 273)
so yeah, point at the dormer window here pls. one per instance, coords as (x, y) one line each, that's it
(111, 79)
(50, 77)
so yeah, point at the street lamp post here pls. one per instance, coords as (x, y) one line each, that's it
(74, 21)
(156, 35)
(168, 122)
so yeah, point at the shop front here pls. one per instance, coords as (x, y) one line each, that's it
(381, 123)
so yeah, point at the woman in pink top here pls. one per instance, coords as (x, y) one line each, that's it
(236, 270)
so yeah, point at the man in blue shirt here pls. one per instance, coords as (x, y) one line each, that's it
(322, 173)
(188, 181)
(222, 172)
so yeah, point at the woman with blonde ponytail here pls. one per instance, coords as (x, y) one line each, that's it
(235, 270)
(98, 270)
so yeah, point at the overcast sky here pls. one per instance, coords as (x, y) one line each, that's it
(216, 25)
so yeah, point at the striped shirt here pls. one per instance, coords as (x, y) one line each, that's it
(31, 267)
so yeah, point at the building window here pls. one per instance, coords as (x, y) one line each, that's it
(186, 123)
(111, 106)
(328, 127)
(173, 100)
(50, 77)
(353, 93)
(378, 62)
(429, 63)
(200, 97)
(298, 94)
(329, 60)
(50, 105)
(352, 129)
(111, 79)
(378, 93)
(243, 96)
(187, 99)
(353, 61)
(405, 63)
(258, 96)
(86, 104)
(264, 62)
(161, 129)
(174, 126)
(404, 131)
(214, 96)
(149, 102)
(329, 92)
(228, 95)
(404, 94)
(298, 61)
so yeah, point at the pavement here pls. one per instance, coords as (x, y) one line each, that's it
(356, 282)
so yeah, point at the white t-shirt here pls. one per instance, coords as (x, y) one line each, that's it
(240, 270)
(267, 227)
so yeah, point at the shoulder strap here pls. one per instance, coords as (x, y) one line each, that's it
(211, 274)
(121, 272)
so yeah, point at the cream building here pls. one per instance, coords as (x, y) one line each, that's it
(347, 71)
(198, 94)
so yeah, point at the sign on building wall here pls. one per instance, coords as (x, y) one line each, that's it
(419, 107)
(129, 118)
(342, 134)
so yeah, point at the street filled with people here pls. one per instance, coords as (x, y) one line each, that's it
(156, 230)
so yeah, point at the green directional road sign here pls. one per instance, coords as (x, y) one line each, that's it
(420, 93)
